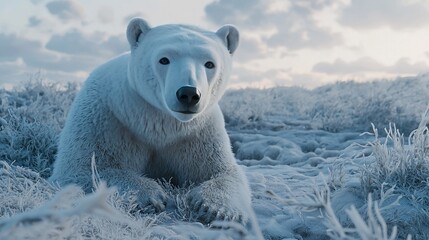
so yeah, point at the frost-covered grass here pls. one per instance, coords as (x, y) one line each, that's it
(33, 209)
(335, 107)
(312, 173)
(369, 226)
(402, 163)
(31, 119)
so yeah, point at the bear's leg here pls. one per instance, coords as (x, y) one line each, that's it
(149, 192)
(223, 197)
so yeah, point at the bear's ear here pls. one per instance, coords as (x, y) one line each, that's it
(229, 35)
(136, 27)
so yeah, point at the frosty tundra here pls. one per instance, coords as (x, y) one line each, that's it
(153, 114)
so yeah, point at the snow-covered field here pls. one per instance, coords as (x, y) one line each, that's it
(317, 167)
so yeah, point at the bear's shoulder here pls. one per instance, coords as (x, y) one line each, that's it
(113, 68)
(102, 84)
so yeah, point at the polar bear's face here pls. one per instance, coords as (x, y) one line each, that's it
(181, 70)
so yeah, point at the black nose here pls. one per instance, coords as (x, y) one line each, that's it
(188, 96)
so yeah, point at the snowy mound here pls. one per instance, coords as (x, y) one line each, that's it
(313, 174)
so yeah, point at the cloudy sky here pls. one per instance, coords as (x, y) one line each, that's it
(283, 42)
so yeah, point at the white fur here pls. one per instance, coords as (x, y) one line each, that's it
(125, 115)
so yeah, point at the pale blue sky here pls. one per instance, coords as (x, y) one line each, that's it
(283, 42)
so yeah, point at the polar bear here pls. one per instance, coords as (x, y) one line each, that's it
(153, 113)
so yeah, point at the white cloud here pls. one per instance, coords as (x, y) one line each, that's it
(36, 1)
(245, 77)
(405, 66)
(34, 21)
(66, 10)
(70, 58)
(397, 14)
(64, 63)
(98, 44)
(282, 42)
(306, 80)
(367, 64)
(363, 64)
(13, 47)
(250, 49)
(127, 18)
(106, 15)
(294, 25)
(309, 37)
(243, 13)
(12, 72)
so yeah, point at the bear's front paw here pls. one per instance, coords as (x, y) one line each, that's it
(208, 207)
(152, 197)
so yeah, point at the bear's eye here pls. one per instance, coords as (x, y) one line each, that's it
(164, 61)
(209, 65)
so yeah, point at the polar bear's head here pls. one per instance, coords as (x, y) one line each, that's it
(179, 69)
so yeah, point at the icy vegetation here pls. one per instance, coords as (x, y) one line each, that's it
(343, 161)
(336, 107)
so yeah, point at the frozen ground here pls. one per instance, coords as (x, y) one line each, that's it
(313, 174)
